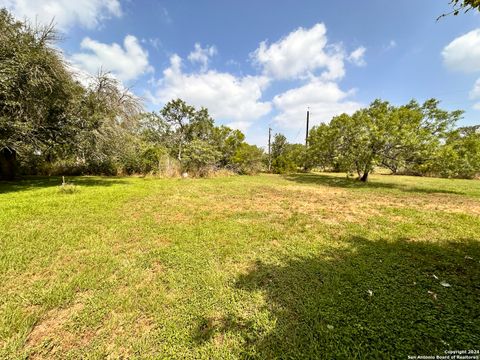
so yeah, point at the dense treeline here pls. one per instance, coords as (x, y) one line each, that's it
(410, 139)
(51, 123)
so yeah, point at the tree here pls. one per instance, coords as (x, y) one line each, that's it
(320, 152)
(458, 157)
(154, 129)
(200, 157)
(279, 145)
(247, 159)
(382, 135)
(39, 99)
(462, 6)
(111, 114)
(178, 115)
(358, 139)
(280, 163)
(48, 116)
(227, 141)
(286, 157)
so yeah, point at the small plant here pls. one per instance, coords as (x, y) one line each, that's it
(67, 188)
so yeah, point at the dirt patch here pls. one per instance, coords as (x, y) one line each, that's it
(52, 327)
(52, 323)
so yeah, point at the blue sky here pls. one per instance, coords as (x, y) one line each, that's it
(256, 64)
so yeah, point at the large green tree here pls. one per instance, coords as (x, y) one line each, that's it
(458, 156)
(46, 115)
(39, 99)
(179, 115)
(286, 157)
(247, 159)
(382, 135)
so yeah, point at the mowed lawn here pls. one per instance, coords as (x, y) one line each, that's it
(299, 266)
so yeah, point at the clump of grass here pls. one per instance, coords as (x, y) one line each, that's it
(67, 188)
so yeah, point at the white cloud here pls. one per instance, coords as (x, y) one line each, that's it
(227, 97)
(65, 13)
(126, 63)
(463, 53)
(325, 100)
(300, 54)
(202, 55)
(475, 92)
(357, 56)
(240, 125)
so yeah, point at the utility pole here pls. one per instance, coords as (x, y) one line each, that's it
(269, 151)
(308, 120)
(305, 166)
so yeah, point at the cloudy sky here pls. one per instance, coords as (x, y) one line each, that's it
(256, 64)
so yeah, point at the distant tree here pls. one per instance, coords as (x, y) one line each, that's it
(106, 142)
(200, 157)
(227, 142)
(247, 159)
(458, 157)
(280, 163)
(279, 145)
(286, 157)
(201, 126)
(191, 136)
(154, 129)
(178, 114)
(320, 152)
(296, 153)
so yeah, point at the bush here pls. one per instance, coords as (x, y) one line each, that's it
(283, 165)
(247, 160)
(200, 158)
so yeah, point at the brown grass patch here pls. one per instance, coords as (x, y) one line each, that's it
(52, 327)
(323, 204)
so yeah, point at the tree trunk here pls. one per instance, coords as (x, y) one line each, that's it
(364, 177)
(8, 163)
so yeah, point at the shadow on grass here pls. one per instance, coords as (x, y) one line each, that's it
(29, 183)
(343, 182)
(377, 299)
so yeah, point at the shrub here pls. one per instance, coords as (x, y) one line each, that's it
(200, 158)
(247, 160)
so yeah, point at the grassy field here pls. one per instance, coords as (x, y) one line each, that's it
(301, 266)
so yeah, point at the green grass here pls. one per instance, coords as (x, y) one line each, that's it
(302, 266)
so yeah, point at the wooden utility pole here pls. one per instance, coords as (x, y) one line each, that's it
(308, 119)
(269, 149)
(305, 166)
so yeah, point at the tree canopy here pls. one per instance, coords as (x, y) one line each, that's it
(411, 138)
(460, 6)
